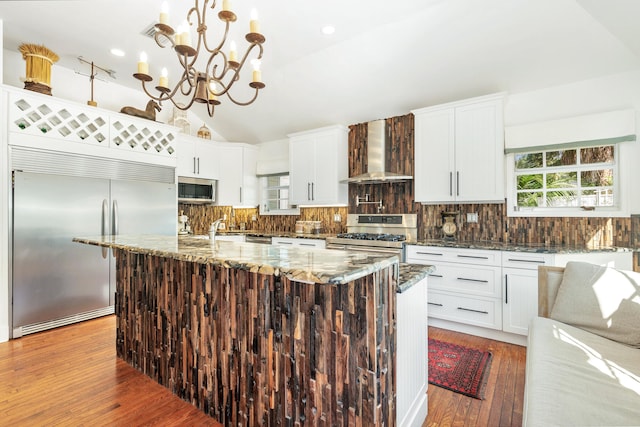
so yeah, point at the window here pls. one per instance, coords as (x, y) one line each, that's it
(578, 179)
(274, 198)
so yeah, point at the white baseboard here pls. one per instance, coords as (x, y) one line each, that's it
(478, 331)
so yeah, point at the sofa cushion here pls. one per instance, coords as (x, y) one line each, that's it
(602, 300)
(576, 378)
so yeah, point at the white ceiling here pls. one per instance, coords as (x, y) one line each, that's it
(385, 58)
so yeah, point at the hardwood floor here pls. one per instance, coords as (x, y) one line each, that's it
(504, 393)
(71, 376)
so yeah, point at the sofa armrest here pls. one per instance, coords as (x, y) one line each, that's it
(549, 279)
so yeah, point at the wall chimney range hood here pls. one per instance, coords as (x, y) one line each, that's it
(377, 140)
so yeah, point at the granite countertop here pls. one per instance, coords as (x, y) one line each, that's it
(412, 274)
(520, 247)
(299, 264)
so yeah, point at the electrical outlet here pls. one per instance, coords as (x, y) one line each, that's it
(472, 217)
(254, 218)
(224, 217)
(222, 226)
(337, 217)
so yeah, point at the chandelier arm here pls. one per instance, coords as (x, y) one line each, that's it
(236, 70)
(161, 34)
(243, 104)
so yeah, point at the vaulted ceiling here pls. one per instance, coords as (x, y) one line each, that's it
(384, 59)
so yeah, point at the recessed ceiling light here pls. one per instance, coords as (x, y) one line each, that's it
(328, 30)
(117, 52)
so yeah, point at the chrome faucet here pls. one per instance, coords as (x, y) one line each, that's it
(214, 228)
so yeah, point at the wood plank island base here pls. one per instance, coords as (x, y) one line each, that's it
(257, 334)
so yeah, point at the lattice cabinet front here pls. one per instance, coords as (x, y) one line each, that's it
(51, 118)
(35, 116)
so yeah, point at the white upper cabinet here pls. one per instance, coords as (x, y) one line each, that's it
(459, 151)
(318, 163)
(197, 157)
(238, 184)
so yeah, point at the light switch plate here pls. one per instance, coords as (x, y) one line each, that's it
(337, 217)
(472, 217)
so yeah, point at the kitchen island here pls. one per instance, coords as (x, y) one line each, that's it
(257, 334)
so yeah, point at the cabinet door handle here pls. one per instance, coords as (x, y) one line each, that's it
(506, 289)
(535, 261)
(473, 256)
(194, 165)
(472, 280)
(313, 196)
(434, 303)
(284, 243)
(198, 165)
(457, 183)
(240, 194)
(472, 310)
(435, 275)
(307, 244)
(308, 191)
(451, 183)
(429, 253)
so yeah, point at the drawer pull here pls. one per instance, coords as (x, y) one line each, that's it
(284, 243)
(435, 275)
(434, 303)
(473, 280)
(475, 311)
(473, 256)
(429, 253)
(535, 261)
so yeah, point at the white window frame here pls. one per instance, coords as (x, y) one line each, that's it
(621, 183)
(262, 207)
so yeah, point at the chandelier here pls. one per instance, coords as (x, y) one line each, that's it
(221, 70)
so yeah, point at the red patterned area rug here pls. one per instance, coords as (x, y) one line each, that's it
(457, 368)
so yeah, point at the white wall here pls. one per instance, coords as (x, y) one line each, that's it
(273, 157)
(614, 92)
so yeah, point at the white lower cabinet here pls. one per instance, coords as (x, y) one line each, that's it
(493, 290)
(476, 310)
(299, 242)
(520, 281)
(412, 355)
(466, 285)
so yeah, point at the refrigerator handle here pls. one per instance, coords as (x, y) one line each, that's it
(114, 230)
(115, 218)
(105, 225)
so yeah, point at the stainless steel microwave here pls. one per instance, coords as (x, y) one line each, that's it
(196, 190)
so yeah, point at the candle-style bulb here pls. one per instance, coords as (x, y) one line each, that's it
(143, 66)
(164, 13)
(164, 78)
(233, 55)
(254, 25)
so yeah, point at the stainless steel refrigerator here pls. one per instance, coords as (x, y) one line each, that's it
(54, 280)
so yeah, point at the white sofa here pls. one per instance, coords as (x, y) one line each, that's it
(575, 375)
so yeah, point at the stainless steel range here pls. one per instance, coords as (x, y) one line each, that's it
(381, 233)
